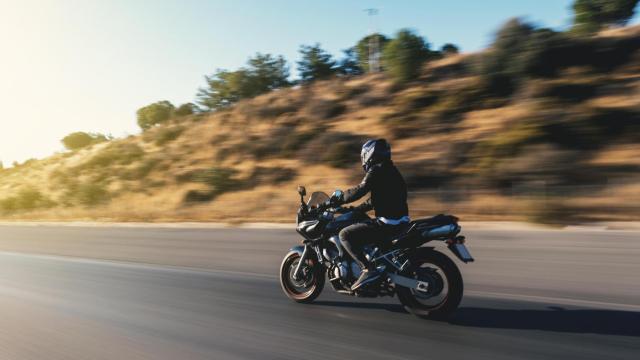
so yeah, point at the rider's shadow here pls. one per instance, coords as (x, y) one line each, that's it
(583, 321)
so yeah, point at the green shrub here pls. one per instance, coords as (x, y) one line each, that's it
(185, 109)
(507, 143)
(193, 196)
(154, 114)
(343, 151)
(85, 194)
(218, 179)
(80, 139)
(352, 92)
(295, 141)
(115, 154)
(402, 126)
(411, 102)
(404, 55)
(571, 92)
(26, 199)
(270, 175)
(91, 194)
(551, 211)
(142, 170)
(167, 134)
(590, 129)
(326, 109)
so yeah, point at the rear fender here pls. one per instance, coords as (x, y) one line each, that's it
(466, 258)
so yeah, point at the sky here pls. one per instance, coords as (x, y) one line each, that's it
(87, 65)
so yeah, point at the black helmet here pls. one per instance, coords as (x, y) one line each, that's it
(375, 152)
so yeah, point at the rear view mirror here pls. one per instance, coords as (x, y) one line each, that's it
(302, 191)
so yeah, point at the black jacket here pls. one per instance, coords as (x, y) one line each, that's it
(388, 192)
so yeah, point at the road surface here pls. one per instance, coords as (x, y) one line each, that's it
(158, 293)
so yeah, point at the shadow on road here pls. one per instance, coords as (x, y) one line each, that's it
(397, 308)
(605, 322)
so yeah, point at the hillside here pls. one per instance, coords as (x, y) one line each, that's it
(560, 149)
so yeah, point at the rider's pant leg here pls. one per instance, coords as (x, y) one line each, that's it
(355, 236)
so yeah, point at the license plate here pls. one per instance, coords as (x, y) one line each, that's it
(461, 252)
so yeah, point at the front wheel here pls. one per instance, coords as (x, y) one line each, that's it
(444, 288)
(306, 289)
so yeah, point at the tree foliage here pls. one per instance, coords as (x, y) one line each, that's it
(362, 48)
(404, 55)
(592, 15)
(263, 73)
(349, 64)
(154, 114)
(267, 73)
(185, 109)
(520, 50)
(78, 140)
(498, 67)
(316, 63)
(449, 49)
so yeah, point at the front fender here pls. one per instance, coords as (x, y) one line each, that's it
(298, 249)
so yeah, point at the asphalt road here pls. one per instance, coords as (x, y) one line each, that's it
(151, 293)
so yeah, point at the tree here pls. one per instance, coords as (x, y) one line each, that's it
(362, 48)
(404, 55)
(449, 49)
(223, 89)
(185, 109)
(315, 64)
(79, 139)
(263, 73)
(154, 114)
(349, 65)
(267, 73)
(500, 66)
(592, 15)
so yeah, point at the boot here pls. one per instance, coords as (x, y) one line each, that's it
(367, 276)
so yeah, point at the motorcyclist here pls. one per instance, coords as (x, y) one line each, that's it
(388, 198)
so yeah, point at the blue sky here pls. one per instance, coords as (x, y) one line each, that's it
(70, 65)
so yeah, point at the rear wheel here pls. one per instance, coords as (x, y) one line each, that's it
(443, 291)
(309, 286)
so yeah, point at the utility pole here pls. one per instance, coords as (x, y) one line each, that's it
(374, 44)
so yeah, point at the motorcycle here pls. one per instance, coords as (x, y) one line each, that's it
(427, 282)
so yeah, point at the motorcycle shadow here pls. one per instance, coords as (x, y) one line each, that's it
(582, 321)
(396, 308)
(558, 319)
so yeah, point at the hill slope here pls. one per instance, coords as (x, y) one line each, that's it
(562, 148)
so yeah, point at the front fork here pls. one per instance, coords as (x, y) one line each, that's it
(306, 254)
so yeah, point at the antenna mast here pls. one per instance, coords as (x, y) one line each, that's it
(374, 44)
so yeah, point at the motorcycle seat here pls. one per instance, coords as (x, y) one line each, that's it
(418, 229)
